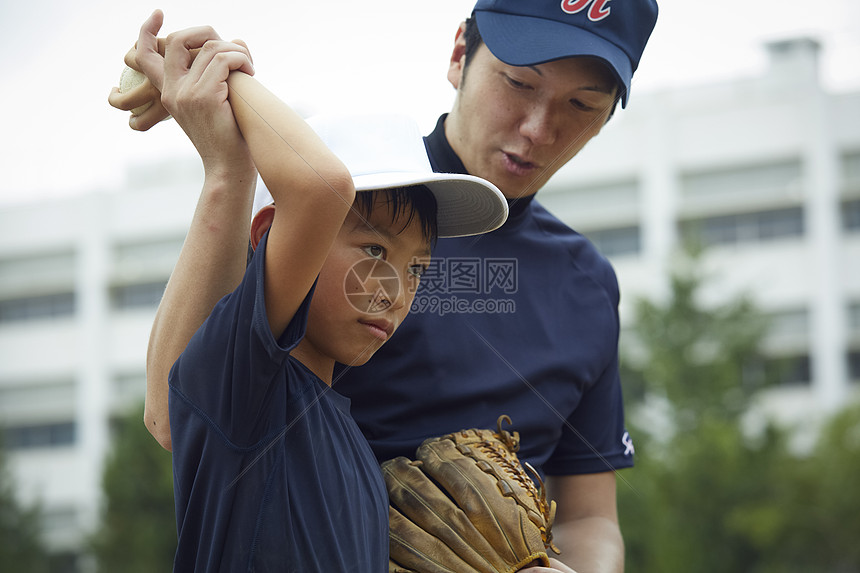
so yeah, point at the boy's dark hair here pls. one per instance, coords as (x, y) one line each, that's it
(416, 201)
(473, 39)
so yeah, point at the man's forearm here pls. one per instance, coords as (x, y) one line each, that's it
(586, 525)
(590, 545)
(212, 259)
(210, 265)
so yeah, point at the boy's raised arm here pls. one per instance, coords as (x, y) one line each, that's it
(312, 189)
(299, 171)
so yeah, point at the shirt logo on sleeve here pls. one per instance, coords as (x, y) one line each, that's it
(628, 444)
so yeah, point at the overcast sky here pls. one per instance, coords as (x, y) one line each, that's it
(60, 136)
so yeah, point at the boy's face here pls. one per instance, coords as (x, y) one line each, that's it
(366, 286)
(516, 126)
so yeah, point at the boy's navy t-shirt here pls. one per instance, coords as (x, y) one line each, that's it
(271, 473)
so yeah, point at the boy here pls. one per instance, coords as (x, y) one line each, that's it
(270, 471)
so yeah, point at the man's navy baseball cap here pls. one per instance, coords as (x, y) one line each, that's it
(531, 32)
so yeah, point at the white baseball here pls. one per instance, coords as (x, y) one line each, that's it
(129, 80)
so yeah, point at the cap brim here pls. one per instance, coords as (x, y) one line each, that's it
(527, 41)
(466, 205)
(384, 151)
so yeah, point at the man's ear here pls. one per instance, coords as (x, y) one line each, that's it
(261, 223)
(458, 57)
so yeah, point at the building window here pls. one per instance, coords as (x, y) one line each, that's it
(794, 322)
(39, 436)
(135, 296)
(773, 225)
(60, 519)
(788, 370)
(49, 272)
(782, 178)
(43, 307)
(616, 242)
(140, 261)
(36, 399)
(758, 227)
(851, 171)
(854, 317)
(64, 561)
(777, 372)
(854, 365)
(851, 215)
(126, 390)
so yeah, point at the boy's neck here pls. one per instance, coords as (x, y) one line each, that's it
(322, 366)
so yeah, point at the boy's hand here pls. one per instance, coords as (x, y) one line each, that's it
(189, 70)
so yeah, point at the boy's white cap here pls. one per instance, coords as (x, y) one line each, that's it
(385, 151)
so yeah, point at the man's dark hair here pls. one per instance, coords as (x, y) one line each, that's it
(473, 39)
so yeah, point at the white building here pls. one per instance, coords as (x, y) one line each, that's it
(767, 172)
(80, 279)
(768, 169)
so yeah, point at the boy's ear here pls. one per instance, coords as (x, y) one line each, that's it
(261, 223)
(458, 57)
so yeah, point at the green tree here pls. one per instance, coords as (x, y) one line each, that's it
(699, 358)
(820, 505)
(705, 495)
(138, 525)
(833, 468)
(702, 489)
(21, 546)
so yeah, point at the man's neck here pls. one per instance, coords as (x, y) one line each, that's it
(443, 159)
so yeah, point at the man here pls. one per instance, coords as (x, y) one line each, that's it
(528, 313)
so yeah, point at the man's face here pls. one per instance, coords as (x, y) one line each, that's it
(516, 126)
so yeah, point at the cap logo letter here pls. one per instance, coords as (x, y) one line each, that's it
(599, 8)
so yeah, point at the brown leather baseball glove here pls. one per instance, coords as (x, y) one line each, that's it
(466, 504)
